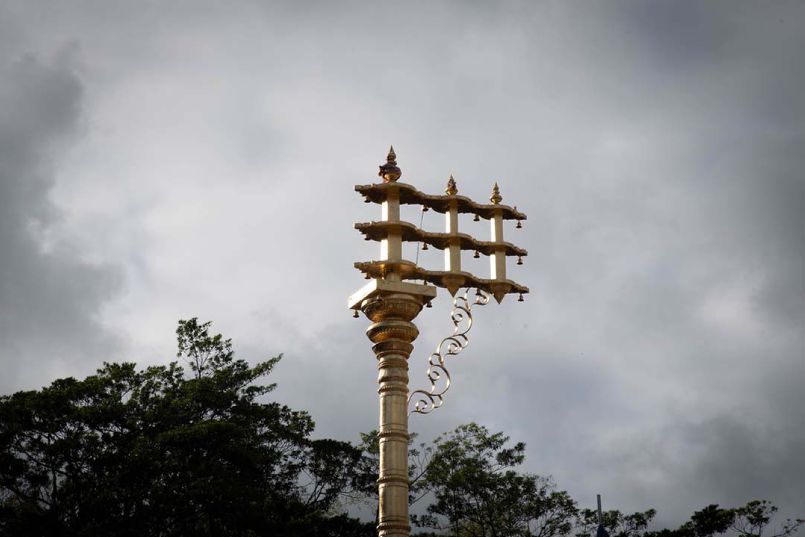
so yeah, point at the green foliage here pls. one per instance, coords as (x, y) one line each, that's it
(152, 452)
(478, 493)
(472, 477)
(157, 452)
(750, 520)
(712, 520)
(616, 523)
(754, 518)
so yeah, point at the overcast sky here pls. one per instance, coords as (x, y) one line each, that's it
(164, 160)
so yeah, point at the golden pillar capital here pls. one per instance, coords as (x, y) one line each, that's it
(388, 305)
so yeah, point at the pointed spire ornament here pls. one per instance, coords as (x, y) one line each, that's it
(389, 171)
(496, 197)
(451, 189)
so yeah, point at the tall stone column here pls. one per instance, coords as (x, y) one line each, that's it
(392, 333)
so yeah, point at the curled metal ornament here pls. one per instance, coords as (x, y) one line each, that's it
(425, 401)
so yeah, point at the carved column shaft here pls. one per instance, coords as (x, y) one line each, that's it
(392, 334)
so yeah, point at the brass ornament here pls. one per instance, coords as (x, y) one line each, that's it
(391, 307)
(389, 171)
(451, 189)
(496, 197)
(426, 401)
(388, 330)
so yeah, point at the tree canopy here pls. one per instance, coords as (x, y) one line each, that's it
(158, 452)
(169, 452)
(477, 491)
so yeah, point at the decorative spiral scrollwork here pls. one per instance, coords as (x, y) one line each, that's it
(425, 401)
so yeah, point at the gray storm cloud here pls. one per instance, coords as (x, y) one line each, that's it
(657, 148)
(49, 297)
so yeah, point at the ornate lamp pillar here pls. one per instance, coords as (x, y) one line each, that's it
(391, 303)
(392, 333)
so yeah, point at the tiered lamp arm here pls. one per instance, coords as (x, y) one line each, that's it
(440, 278)
(377, 231)
(377, 193)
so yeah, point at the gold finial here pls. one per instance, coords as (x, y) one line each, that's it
(496, 197)
(389, 171)
(451, 189)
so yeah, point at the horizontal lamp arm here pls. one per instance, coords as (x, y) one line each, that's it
(447, 280)
(377, 193)
(378, 231)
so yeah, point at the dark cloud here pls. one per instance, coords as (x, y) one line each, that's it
(49, 297)
(656, 146)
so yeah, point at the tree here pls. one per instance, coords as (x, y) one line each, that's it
(616, 523)
(154, 453)
(755, 517)
(750, 520)
(158, 452)
(478, 493)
